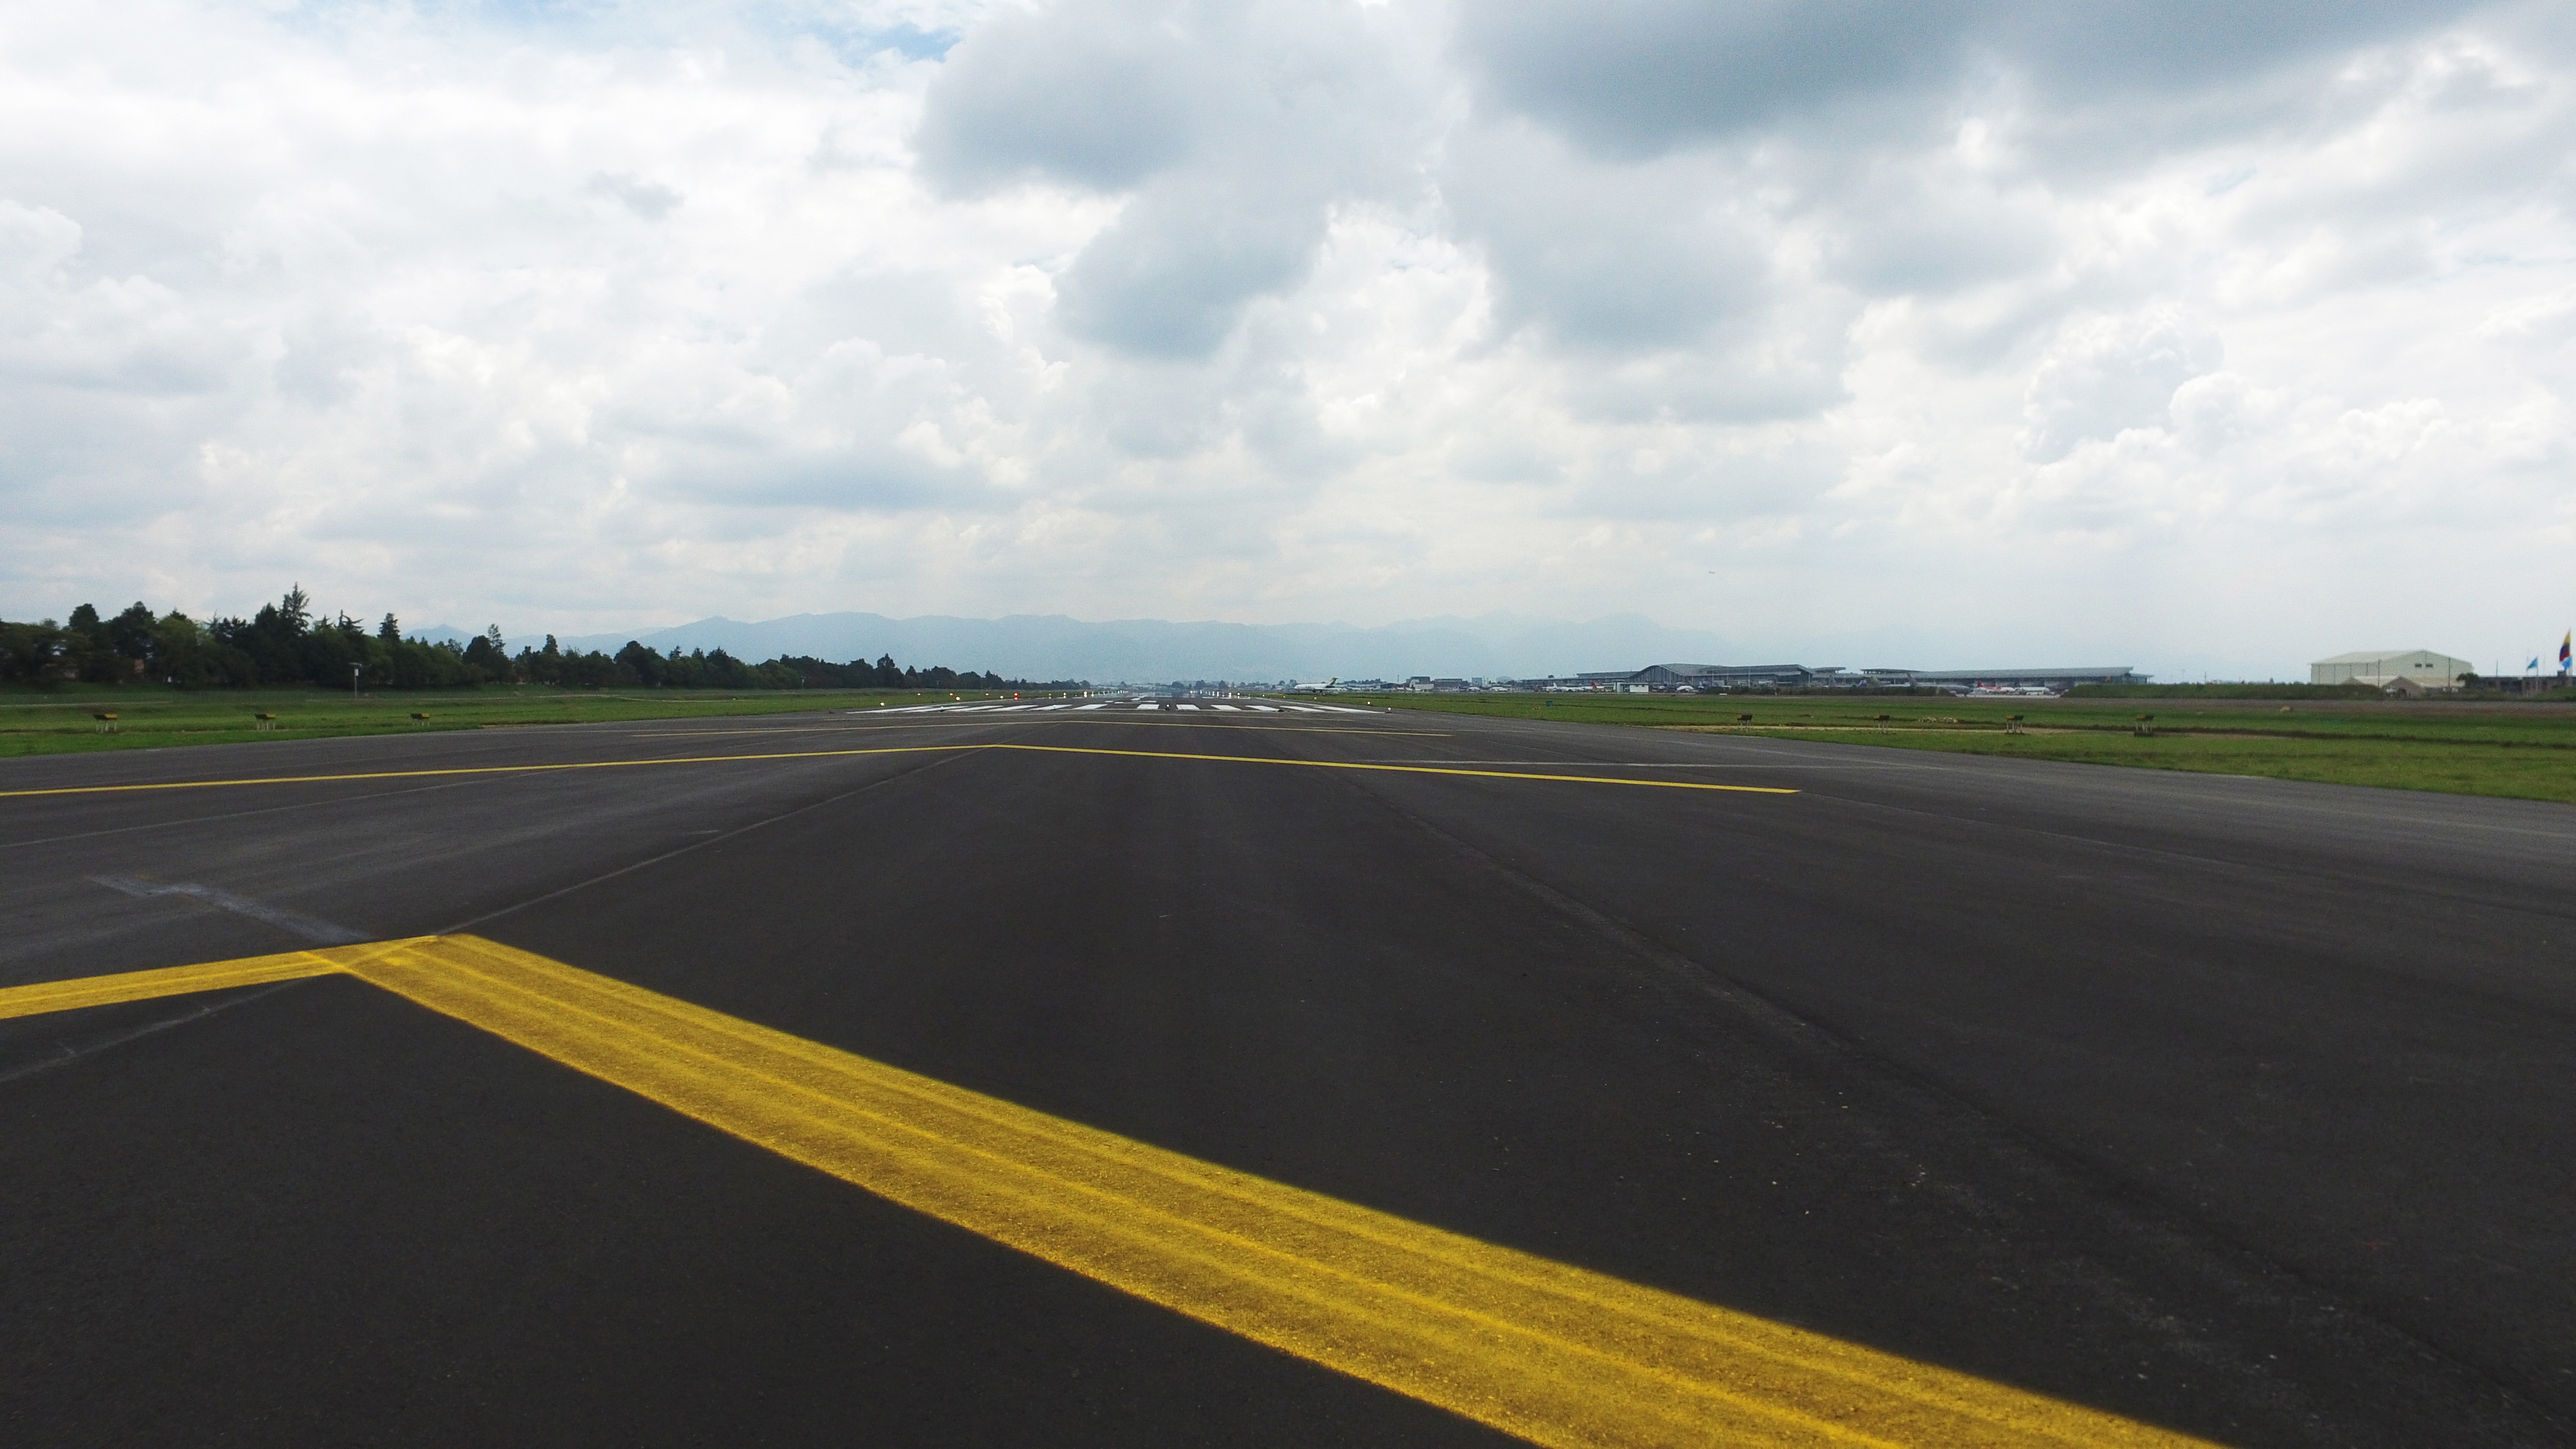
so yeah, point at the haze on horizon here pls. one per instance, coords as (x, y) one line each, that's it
(2203, 337)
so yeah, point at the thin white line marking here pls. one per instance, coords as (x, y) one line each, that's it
(311, 928)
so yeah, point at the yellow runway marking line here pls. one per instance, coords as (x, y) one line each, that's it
(964, 723)
(474, 770)
(878, 750)
(1555, 1354)
(1408, 769)
(175, 981)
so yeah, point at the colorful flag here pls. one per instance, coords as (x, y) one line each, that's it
(2562, 650)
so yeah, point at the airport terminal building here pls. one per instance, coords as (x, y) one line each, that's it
(1723, 676)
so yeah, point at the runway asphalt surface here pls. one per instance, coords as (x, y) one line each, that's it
(2243, 1108)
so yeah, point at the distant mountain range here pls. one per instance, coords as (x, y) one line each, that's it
(1051, 646)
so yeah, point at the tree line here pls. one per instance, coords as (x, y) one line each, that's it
(285, 644)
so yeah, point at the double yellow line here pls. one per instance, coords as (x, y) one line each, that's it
(1555, 1354)
(885, 750)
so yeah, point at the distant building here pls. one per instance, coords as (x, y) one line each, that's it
(2403, 670)
(1716, 676)
(1719, 678)
(1712, 677)
(2057, 679)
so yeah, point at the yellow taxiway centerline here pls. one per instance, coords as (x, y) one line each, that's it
(1401, 769)
(50, 996)
(1555, 1354)
(878, 750)
(934, 723)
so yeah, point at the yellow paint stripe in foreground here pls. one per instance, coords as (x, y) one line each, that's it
(879, 750)
(175, 981)
(1552, 1353)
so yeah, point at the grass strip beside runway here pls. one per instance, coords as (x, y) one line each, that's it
(1555, 1354)
(2518, 749)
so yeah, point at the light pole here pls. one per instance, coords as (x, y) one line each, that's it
(353, 680)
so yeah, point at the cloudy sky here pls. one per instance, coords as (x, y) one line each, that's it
(2206, 337)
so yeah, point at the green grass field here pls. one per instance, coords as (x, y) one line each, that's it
(62, 721)
(2517, 749)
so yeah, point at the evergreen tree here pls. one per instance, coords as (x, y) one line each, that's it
(132, 633)
(284, 644)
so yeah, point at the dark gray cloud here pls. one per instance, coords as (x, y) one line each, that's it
(2126, 46)
(1234, 128)
(1093, 98)
(1170, 277)
(1641, 76)
(839, 479)
(1597, 257)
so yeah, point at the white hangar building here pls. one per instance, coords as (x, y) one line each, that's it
(2383, 668)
